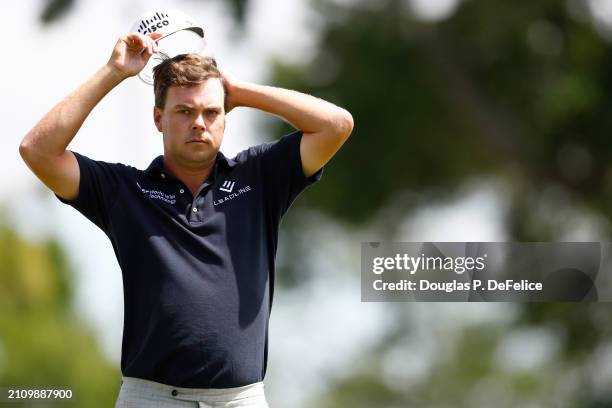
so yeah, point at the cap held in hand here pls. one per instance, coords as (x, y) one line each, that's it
(179, 35)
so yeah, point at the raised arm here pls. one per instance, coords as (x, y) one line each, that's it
(325, 126)
(44, 147)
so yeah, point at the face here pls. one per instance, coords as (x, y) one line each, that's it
(192, 123)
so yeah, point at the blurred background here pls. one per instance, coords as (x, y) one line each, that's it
(476, 120)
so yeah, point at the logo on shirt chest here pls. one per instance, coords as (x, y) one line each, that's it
(228, 187)
(158, 195)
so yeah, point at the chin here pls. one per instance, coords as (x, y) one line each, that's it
(200, 157)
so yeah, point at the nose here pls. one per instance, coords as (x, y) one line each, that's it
(199, 123)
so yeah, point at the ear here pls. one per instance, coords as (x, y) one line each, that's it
(157, 116)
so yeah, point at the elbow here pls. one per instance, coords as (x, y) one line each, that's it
(24, 149)
(28, 152)
(343, 123)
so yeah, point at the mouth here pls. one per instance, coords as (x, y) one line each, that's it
(197, 141)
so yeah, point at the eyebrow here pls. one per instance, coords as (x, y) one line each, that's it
(189, 107)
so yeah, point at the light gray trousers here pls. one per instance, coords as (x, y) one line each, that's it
(139, 393)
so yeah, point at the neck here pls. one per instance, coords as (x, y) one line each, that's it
(192, 177)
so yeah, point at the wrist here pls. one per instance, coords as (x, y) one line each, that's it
(238, 93)
(113, 73)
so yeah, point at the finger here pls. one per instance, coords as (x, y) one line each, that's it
(135, 41)
(148, 48)
(131, 42)
(152, 38)
(153, 45)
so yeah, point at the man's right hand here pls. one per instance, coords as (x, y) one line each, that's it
(131, 53)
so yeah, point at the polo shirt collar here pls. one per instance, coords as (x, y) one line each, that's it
(156, 168)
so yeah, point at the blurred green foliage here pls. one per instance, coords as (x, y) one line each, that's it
(498, 90)
(53, 10)
(469, 365)
(495, 90)
(43, 343)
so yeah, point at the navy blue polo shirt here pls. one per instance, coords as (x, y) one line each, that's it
(198, 271)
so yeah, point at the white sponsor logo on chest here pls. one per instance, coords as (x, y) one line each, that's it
(158, 195)
(228, 187)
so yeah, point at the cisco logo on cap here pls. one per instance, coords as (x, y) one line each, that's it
(151, 25)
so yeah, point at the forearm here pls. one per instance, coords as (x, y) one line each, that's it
(305, 112)
(52, 134)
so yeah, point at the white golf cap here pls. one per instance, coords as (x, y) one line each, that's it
(179, 35)
(165, 22)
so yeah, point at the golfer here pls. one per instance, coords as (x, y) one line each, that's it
(195, 234)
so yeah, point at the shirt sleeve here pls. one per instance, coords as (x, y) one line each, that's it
(283, 176)
(97, 190)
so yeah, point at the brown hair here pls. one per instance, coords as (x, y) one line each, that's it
(184, 70)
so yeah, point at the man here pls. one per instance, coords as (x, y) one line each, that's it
(195, 233)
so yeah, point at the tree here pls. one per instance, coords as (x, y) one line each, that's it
(43, 344)
(54, 10)
(496, 91)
